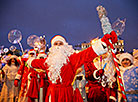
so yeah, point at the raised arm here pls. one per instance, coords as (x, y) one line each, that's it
(87, 55)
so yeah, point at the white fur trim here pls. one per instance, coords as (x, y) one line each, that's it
(18, 76)
(35, 48)
(29, 61)
(41, 95)
(32, 51)
(98, 47)
(41, 51)
(41, 55)
(113, 98)
(57, 38)
(94, 74)
(29, 76)
(126, 55)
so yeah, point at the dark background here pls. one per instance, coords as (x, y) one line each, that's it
(77, 20)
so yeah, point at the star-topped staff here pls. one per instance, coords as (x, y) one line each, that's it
(107, 29)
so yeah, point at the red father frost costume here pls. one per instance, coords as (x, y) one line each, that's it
(63, 91)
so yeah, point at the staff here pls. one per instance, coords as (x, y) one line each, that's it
(106, 26)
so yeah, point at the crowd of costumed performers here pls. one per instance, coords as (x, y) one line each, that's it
(62, 74)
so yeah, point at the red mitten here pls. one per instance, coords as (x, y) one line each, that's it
(16, 82)
(106, 38)
(100, 72)
(113, 37)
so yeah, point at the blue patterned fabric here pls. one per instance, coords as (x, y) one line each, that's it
(130, 78)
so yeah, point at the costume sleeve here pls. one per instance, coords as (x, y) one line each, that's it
(20, 71)
(89, 70)
(5, 69)
(38, 64)
(87, 55)
(21, 68)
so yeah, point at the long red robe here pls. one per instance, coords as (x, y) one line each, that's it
(22, 75)
(63, 92)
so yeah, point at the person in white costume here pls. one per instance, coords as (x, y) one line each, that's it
(9, 91)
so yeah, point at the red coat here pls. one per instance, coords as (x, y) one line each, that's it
(22, 75)
(63, 92)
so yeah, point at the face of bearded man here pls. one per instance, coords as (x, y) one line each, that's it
(58, 56)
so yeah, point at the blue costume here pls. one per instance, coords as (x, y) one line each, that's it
(130, 77)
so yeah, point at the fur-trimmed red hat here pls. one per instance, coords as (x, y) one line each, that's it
(32, 51)
(58, 38)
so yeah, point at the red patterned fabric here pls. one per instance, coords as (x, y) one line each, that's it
(100, 72)
(97, 93)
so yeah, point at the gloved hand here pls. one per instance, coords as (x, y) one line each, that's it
(112, 36)
(16, 82)
(100, 72)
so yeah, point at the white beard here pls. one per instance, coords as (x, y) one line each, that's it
(57, 57)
